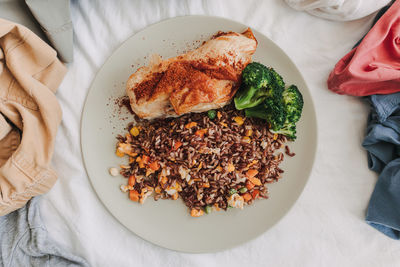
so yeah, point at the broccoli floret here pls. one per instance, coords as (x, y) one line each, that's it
(256, 74)
(293, 101)
(273, 112)
(277, 81)
(288, 129)
(253, 90)
(259, 83)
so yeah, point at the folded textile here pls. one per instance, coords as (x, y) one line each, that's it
(29, 76)
(383, 145)
(24, 241)
(44, 17)
(342, 10)
(372, 67)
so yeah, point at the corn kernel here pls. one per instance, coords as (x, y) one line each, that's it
(239, 120)
(249, 132)
(224, 124)
(246, 139)
(275, 136)
(219, 115)
(135, 131)
(175, 196)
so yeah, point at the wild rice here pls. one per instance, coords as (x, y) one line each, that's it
(204, 161)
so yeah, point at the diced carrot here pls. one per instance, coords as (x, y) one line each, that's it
(249, 185)
(247, 197)
(206, 185)
(131, 180)
(255, 181)
(219, 115)
(134, 195)
(196, 213)
(177, 145)
(255, 194)
(200, 133)
(154, 165)
(145, 159)
(251, 173)
(190, 125)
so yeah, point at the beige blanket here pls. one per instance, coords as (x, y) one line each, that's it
(29, 115)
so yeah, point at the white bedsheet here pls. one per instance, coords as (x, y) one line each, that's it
(326, 226)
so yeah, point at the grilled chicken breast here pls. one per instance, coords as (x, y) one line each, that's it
(203, 79)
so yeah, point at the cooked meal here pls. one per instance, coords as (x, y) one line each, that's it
(203, 79)
(191, 141)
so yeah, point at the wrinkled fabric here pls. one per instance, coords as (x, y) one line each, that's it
(342, 10)
(383, 145)
(24, 241)
(29, 76)
(373, 66)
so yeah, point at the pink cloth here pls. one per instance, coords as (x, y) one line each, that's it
(374, 66)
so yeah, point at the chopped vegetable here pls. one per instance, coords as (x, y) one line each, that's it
(134, 195)
(255, 194)
(247, 197)
(154, 165)
(196, 213)
(119, 153)
(131, 180)
(243, 190)
(212, 114)
(230, 167)
(177, 145)
(246, 139)
(251, 173)
(134, 131)
(255, 181)
(208, 209)
(190, 125)
(249, 185)
(239, 120)
(200, 133)
(232, 191)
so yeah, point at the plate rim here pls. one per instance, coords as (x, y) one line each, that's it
(310, 103)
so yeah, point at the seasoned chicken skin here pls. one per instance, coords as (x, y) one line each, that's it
(203, 79)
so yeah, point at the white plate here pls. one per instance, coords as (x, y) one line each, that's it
(167, 223)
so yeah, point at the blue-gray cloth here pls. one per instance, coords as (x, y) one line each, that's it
(24, 241)
(383, 145)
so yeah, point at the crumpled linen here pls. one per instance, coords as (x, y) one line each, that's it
(24, 241)
(29, 76)
(373, 66)
(383, 145)
(342, 10)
